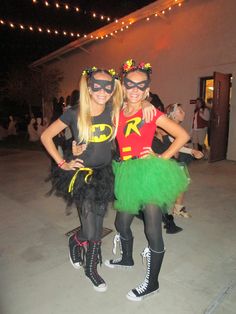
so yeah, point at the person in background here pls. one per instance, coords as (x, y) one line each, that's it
(156, 101)
(11, 130)
(67, 103)
(209, 105)
(168, 219)
(200, 124)
(40, 127)
(32, 131)
(143, 181)
(74, 98)
(185, 155)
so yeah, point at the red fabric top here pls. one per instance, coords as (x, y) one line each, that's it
(133, 134)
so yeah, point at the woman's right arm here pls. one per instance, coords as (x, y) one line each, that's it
(47, 139)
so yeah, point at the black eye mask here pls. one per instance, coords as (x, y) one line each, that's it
(107, 86)
(140, 85)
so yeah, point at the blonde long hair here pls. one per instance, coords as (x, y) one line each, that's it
(84, 121)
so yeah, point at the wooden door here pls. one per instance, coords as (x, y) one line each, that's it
(219, 122)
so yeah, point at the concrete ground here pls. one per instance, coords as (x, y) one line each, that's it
(199, 269)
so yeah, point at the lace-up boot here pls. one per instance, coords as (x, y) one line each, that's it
(150, 284)
(126, 250)
(93, 257)
(77, 251)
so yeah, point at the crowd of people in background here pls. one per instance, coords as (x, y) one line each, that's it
(32, 125)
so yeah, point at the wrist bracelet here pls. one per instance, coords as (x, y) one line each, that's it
(60, 164)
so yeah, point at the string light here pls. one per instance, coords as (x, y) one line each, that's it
(56, 32)
(176, 3)
(38, 28)
(120, 28)
(67, 7)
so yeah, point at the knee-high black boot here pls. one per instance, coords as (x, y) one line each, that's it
(77, 251)
(93, 257)
(126, 251)
(169, 224)
(150, 284)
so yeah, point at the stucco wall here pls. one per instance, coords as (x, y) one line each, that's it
(190, 42)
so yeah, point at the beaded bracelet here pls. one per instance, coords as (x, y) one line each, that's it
(60, 164)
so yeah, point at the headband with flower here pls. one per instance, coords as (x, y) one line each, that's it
(130, 65)
(90, 71)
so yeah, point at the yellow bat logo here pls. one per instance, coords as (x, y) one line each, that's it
(100, 133)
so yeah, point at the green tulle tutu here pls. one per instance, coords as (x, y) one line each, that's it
(149, 180)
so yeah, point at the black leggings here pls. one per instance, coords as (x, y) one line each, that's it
(91, 223)
(152, 226)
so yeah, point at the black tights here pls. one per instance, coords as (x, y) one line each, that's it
(152, 226)
(91, 223)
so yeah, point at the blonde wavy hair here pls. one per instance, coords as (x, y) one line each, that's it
(84, 121)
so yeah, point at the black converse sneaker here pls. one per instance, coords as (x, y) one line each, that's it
(150, 284)
(93, 258)
(76, 251)
(126, 248)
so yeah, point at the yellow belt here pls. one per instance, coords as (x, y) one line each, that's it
(72, 181)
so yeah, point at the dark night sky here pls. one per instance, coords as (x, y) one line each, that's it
(18, 47)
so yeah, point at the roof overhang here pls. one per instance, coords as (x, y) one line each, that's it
(109, 30)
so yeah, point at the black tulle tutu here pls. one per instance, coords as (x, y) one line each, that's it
(80, 187)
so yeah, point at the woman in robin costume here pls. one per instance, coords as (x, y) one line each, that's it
(143, 180)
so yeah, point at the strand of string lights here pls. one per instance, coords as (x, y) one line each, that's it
(66, 7)
(56, 32)
(121, 26)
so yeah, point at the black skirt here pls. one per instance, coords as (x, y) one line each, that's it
(84, 186)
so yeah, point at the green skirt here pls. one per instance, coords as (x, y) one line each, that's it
(150, 180)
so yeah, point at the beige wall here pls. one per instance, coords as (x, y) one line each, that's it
(190, 42)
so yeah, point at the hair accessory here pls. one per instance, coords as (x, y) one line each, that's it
(89, 71)
(113, 73)
(130, 65)
(145, 67)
